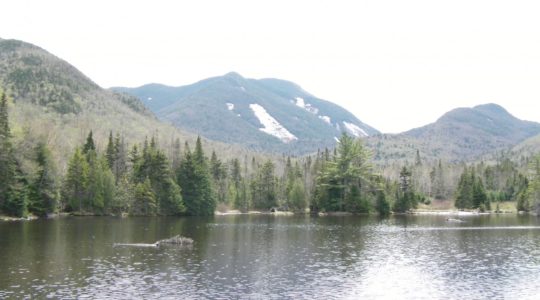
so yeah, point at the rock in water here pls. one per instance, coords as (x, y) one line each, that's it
(177, 240)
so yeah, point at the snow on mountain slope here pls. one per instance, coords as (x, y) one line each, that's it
(220, 108)
(354, 130)
(271, 125)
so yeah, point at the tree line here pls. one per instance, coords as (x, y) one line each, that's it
(141, 179)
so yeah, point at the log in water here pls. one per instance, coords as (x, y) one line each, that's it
(175, 240)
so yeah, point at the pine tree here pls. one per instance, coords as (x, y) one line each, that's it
(381, 205)
(13, 184)
(76, 182)
(263, 187)
(153, 165)
(111, 151)
(344, 179)
(417, 160)
(480, 199)
(219, 176)
(194, 179)
(94, 188)
(297, 196)
(465, 190)
(144, 200)
(7, 159)
(406, 197)
(119, 167)
(89, 145)
(42, 189)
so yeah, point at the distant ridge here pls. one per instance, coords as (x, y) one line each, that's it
(462, 134)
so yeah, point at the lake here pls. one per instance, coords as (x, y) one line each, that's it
(273, 257)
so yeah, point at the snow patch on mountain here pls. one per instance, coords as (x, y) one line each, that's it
(230, 106)
(271, 125)
(243, 89)
(354, 130)
(300, 102)
(326, 119)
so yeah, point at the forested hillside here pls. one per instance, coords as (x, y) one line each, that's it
(463, 134)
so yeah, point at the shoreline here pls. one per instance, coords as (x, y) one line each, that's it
(445, 212)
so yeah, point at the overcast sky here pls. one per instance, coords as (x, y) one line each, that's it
(395, 64)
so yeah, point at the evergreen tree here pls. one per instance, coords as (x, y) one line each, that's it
(154, 166)
(297, 196)
(263, 187)
(219, 176)
(406, 197)
(119, 167)
(471, 193)
(111, 151)
(381, 205)
(94, 187)
(76, 182)
(344, 180)
(144, 200)
(89, 145)
(480, 199)
(438, 190)
(417, 160)
(465, 190)
(123, 197)
(194, 179)
(13, 184)
(42, 189)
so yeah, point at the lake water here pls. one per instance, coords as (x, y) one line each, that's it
(273, 257)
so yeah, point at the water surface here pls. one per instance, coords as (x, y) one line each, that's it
(271, 257)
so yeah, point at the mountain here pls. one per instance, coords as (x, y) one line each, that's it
(267, 114)
(460, 134)
(56, 103)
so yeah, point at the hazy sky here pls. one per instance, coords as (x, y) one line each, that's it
(395, 64)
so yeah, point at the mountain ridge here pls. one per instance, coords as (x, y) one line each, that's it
(461, 134)
(265, 114)
(55, 103)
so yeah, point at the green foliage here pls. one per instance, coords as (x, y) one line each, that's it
(407, 197)
(144, 200)
(345, 181)
(7, 158)
(219, 179)
(471, 193)
(76, 182)
(194, 179)
(42, 191)
(89, 145)
(154, 166)
(382, 206)
(297, 196)
(263, 187)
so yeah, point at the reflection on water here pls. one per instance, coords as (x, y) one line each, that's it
(266, 257)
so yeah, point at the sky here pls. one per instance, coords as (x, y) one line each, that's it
(395, 64)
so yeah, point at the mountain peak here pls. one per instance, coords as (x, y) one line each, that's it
(266, 114)
(492, 108)
(470, 132)
(234, 75)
